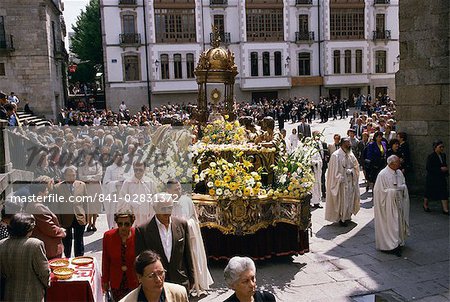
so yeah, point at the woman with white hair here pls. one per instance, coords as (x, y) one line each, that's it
(240, 275)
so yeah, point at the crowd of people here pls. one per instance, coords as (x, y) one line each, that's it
(155, 249)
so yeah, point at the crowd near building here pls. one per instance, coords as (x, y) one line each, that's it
(282, 48)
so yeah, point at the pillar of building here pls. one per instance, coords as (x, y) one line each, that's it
(423, 90)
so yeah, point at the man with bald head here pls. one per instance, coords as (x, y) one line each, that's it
(391, 208)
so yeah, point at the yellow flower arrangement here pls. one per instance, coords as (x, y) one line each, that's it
(231, 179)
(224, 132)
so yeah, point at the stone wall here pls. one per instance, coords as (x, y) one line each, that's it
(423, 80)
(32, 72)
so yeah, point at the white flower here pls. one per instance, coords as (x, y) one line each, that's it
(250, 182)
(285, 169)
(219, 191)
(283, 179)
(239, 193)
(210, 184)
(227, 192)
(212, 164)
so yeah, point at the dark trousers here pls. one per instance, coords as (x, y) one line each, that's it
(78, 232)
(322, 178)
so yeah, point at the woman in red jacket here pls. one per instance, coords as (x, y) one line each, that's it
(118, 271)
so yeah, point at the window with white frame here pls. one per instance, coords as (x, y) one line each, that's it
(266, 63)
(380, 61)
(254, 64)
(277, 59)
(304, 63)
(177, 66)
(358, 62)
(348, 61)
(190, 65)
(131, 67)
(337, 61)
(165, 67)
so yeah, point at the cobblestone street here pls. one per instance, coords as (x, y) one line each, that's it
(343, 264)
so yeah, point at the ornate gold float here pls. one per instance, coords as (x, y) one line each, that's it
(239, 216)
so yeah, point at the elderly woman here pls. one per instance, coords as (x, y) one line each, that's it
(375, 157)
(22, 262)
(118, 272)
(240, 275)
(436, 182)
(151, 274)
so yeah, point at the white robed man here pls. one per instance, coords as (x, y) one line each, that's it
(391, 208)
(342, 198)
(112, 183)
(136, 195)
(183, 207)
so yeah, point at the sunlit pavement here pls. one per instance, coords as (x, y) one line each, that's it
(342, 264)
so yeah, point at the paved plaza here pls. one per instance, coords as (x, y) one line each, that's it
(342, 264)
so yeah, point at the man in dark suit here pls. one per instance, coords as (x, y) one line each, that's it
(169, 237)
(304, 129)
(72, 214)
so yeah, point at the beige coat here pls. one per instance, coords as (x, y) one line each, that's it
(68, 209)
(174, 293)
(342, 187)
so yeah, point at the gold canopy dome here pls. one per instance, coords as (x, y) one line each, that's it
(216, 65)
(217, 58)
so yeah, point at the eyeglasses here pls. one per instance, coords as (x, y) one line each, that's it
(157, 274)
(139, 170)
(126, 224)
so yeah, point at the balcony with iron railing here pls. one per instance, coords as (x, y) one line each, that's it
(6, 44)
(304, 36)
(382, 2)
(218, 2)
(132, 39)
(225, 38)
(381, 35)
(127, 3)
(303, 2)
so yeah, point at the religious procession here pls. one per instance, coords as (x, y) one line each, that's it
(200, 185)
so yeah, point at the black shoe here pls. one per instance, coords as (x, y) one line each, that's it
(317, 206)
(445, 213)
(343, 223)
(397, 251)
(428, 210)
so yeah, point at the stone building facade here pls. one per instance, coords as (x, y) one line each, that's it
(283, 48)
(32, 53)
(423, 90)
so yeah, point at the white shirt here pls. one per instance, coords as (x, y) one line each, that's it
(113, 175)
(13, 99)
(136, 195)
(166, 237)
(97, 121)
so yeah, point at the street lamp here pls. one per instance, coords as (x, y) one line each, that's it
(156, 64)
(288, 61)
